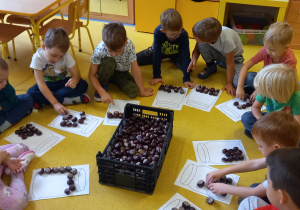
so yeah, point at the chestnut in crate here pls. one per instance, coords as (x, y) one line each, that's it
(137, 150)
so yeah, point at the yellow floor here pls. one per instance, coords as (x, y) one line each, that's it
(189, 125)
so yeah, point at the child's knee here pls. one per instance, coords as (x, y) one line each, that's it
(132, 92)
(20, 202)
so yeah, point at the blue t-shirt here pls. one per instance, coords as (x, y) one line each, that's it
(272, 105)
(163, 47)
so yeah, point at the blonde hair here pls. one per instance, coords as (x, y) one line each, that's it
(277, 127)
(171, 20)
(277, 81)
(207, 30)
(279, 33)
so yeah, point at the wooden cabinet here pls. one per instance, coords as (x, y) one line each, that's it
(192, 12)
(293, 18)
(147, 12)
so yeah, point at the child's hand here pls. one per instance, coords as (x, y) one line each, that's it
(3, 155)
(230, 89)
(213, 176)
(154, 82)
(15, 164)
(60, 109)
(192, 65)
(253, 95)
(71, 83)
(106, 98)
(218, 188)
(240, 93)
(146, 92)
(190, 84)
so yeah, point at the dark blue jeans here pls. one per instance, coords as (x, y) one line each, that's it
(248, 120)
(144, 59)
(249, 81)
(58, 90)
(21, 110)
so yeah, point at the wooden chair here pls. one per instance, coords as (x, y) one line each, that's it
(76, 9)
(8, 33)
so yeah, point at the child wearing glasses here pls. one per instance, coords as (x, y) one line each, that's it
(170, 41)
(218, 45)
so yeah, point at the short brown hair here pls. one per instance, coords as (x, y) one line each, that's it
(279, 33)
(207, 30)
(3, 64)
(278, 127)
(57, 37)
(114, 35)
(171, 20)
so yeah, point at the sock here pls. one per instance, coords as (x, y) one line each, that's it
(4, 126)
(211, 64)
(75, 100)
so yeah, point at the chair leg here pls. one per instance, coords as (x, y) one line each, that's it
(4, 46)
(79, 40)
(32, 42)
(74, 56)
(14, 49)
(7, 51)
(88, 31)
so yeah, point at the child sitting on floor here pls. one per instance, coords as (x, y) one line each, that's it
(276, 50)
(272, 131)
(282, 185)
(52, 64)
(277, 86)
(170, 41)
(12, 107)
(221, 44)
(14, 160)
(111, 62)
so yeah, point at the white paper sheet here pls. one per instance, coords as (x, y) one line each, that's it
(175, 202)
(171, 100)
(192, 172)
(210, 152)
(39, 144)
(204, 102)
(86, 129)
(232, 111)
(119, 106)
(49, 186)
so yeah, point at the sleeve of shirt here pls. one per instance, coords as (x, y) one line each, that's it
(11, 98)
(98, 54)
(70, 62)
(260, 99)
(258, 57)
(296, 103)
(292, 60)
(132, 54)
(228, 42)
(185, 56)
(36, 62)
(157, 54)
(265, 184)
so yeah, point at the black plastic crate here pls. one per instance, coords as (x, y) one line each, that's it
(130, 176)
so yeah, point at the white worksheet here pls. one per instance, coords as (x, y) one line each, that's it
(210, 152)
(119, 106)
(232, 111)
(52, 185)
(202, 101)
(175, 202)
(86, 129)
(39, 144)
(192, 172)
(171, 100)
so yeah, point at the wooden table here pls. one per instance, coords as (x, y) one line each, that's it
(281, 6)
(31, 9)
